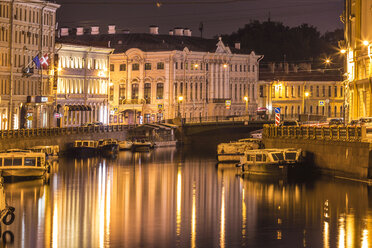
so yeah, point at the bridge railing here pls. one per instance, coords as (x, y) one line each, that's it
(35, 132)
(335, 133)
(218, 119)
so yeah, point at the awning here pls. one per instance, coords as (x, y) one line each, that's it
(79, 107)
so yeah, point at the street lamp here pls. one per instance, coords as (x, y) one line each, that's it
(180, 99)
(246, 99)
(306, 94)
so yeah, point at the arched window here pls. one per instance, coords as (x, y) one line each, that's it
(285, 111)
(311, 109)
(147, 93)
(135, 91)
(335, 110)
(175, 91)
(292, 110)
(341, 113)
(317, 109)
(159, 90)
(329, 111)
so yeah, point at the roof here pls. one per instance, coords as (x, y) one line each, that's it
(145, 42)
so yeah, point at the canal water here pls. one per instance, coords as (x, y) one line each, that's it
(179, 198)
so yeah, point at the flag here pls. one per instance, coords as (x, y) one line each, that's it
(44, 61)
(36, 60)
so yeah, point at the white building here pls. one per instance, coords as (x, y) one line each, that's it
(83, 81)
(149, 72)
(27, 29)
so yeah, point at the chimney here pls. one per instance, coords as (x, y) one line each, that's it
(126, 31)
(94, 30)
(271, 67)
(64, 31)
(79, 31)
(154, 29)
(178, 31)
(237, 45)
(171, 32)
(187, 32)
(111, 29)
(286, 68)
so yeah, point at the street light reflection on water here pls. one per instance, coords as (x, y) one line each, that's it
(178, 198)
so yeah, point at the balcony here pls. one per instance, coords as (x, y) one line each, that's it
(134, 101)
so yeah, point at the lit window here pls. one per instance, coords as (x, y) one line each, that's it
(160, 66)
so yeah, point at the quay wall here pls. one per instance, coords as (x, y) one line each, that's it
(352, 160)
(63, 140)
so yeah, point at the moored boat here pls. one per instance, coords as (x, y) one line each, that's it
(125, 145)
(231, 152)
(85, 147)
(108, 146)
(50, 151)
(142, 145)
(23, 165)
(276, 162)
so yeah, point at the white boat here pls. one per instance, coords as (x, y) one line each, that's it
(142, 145)
(23, 164)
(256, 134)
(231, 152)
(50, 151)
(270, 161)
(125, 145)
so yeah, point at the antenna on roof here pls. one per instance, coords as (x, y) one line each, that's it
(201, 28)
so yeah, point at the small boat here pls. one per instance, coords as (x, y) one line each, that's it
(125, 145)
(270, 161)
(85, 147)
(108, 146)
(142, 145)
(23, 165)
(231, 152)
(50, 151)
(256, 134)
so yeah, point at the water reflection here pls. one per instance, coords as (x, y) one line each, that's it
(166, 198)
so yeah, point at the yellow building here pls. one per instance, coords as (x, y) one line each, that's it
(27, 29)
(301, 90)
(357, 49)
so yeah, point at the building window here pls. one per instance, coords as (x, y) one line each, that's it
(112, 67)
(134, 91)
(273, 91)
(311, 91)
(111, 93)
(335, 111)
(123, 67)
(286, 91)
(324, 93)
(148, 66)
(317, 92)
(329, 91)
(147, 93)
(160, 66)
(206, 66)
(175, 91)
(191, 91)
(135, 67)
(241, 68)
(253, 68)
(181, 65)
(236, 67)
(201, 91)
(176, 65)
(335, 91)
(159, 90)
(196, 91)
(341, 91)
(299, 91)
(121, 93)
(236, 91)
(261, 91)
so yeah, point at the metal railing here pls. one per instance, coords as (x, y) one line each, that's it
(37, 132)
(334, 133)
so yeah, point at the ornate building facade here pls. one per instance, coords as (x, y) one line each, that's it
(83, 82)
(357, 48)
(27, 29)
(301, 90)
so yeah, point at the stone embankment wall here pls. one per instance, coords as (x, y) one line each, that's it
(346, 159)
(63, 140)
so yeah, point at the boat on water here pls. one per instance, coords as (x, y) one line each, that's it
(276, 162)
(23, 165)
(50, 151)
(85, 147)
(125, 145)
(108, 146)
(142, 145)
(231, 152)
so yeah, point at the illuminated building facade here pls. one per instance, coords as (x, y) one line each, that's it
(83, 81)
(357, 49)
(155, 77)
(301, 90)
(27, 29)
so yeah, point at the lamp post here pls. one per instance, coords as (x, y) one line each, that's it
(306, 94)
(246, 99)
(180, 99)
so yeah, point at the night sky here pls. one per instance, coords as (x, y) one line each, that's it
(218, 16)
